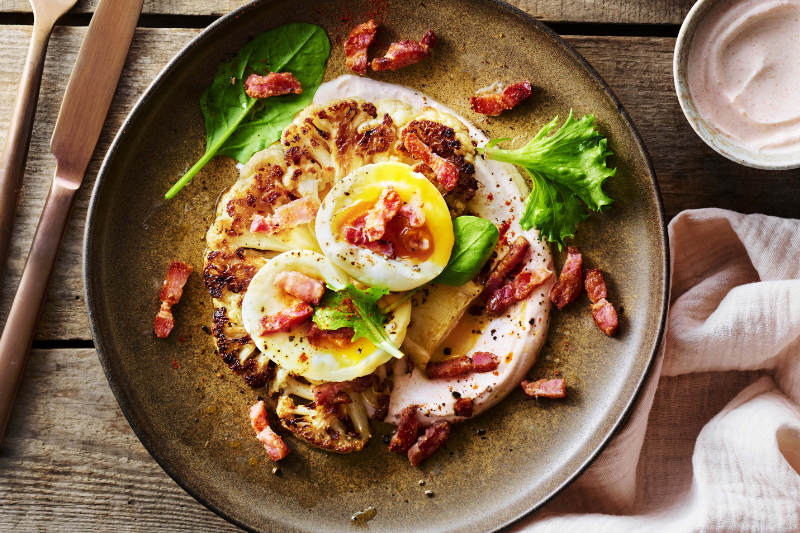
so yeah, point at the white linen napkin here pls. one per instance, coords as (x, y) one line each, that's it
(713, 443)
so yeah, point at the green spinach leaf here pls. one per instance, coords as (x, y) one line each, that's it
(239, 126)
(475, 239)
(351, 307)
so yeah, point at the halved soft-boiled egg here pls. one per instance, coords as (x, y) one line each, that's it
(387, 226)
(301, 348)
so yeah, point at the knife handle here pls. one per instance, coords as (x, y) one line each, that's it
(15, 152)
(19, 330)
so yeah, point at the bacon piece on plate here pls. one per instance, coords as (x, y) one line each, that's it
(407, 428)
(545, 388)
(287, 216)
(605, 316)
(382, 410)
(432, 440)
(595, 284)
(387, 206)
(485, 362)
(287, 318)
(355, 47)
(446, 172)
(273, 84)
(568, 286)
(463, 407)
(406, 52)
(324, 392)
(414, 214)
(300, 286)
(337, 338)
(520, 288)
(171, 293)
(461, 366)
(494, 104)
(603, 312)
(505, 266)
(356, 236)
(276, 448)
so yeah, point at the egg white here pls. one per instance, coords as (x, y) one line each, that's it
(371, 268)
(291, 350)
(517, 336)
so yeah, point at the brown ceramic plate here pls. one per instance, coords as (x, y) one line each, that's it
(195, 423)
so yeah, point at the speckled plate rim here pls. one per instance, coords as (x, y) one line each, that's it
(142, 102)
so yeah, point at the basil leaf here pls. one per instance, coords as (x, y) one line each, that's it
(475, 239)
(239, 126)
(357, 309)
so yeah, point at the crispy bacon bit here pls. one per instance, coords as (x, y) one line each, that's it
(380, 413)
(276, 448)
(446, 172)
(300, 286)
(287, 318)
(595, 284)
(407, 428)
(545, 388)
(414, 214)
(461, 366)
(336, 338)
(171, 293)
(387, 206)
(569, 283)
(287, 216)
(355, 47)
(505, 266)
(605, 316)
(485, 362)
(406, 52)
(433, 439)
(356, 236)
(273, 84)
(603, 312)
(520, 288)
(494, 104)
(463, 407)
(324, 393)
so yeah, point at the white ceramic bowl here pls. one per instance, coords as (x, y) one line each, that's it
(713, 138)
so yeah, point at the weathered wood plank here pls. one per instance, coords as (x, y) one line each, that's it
(70, 461)
(610, 11)
(64, 316)
(690, 174)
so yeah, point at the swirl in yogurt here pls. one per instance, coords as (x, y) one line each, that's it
(744, 73)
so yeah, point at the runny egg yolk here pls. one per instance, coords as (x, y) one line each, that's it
(400, 256)
(408, 242)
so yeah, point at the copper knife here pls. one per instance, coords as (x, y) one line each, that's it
(83, 111)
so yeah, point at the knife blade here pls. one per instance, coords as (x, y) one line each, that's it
(86, 102)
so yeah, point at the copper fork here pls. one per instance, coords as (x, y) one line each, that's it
(15, 152)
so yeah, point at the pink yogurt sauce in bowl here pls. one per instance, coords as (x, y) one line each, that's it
(737, 75)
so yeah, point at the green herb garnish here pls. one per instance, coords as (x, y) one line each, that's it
(566, 166)
(239, 126)
(351, 307)
(475, 239)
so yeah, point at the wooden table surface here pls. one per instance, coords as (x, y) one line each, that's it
(69, 461)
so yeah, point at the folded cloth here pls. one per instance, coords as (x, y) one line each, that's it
(713, 443)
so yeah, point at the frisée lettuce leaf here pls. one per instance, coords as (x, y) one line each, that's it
(565, 167)
(353, 308)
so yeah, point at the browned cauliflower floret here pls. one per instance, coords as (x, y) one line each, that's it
(341, 427)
